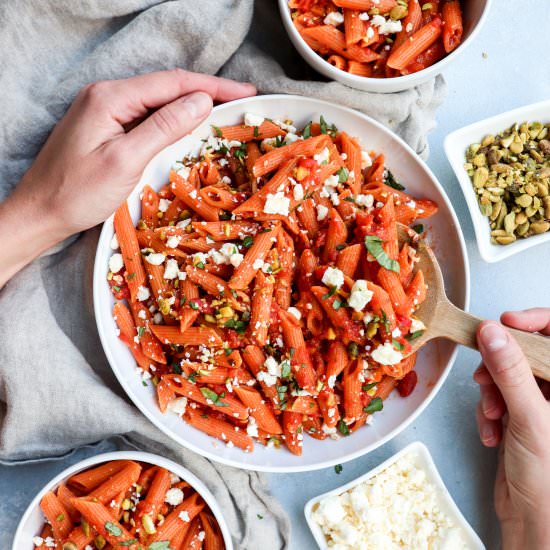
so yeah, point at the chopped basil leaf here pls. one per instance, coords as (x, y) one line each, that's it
(330, 293)
(292, 352)
(228, 352)
(368, 387)
(193, 305)
(127, 542)
(343, 175)
(259, 516)
(392, 182)
(116, 288)
(60, 517)
(240, 153)
(266, 230)
(385, 321)
(214, 397)
(160, 545)
(419, 228)
(285, 369)
(340, 246)
(374, 246)
(374, 406)
(176, 368)
(248, 241)
(131, 276)
(398, 345)
(338, 468)
(140, 331)
(349, 199)
(193, 376)
(200, 265)
(337, 304)
(114, 529)
(218, 131)
(353, 349)
(414, 335)
(323, 124)
(307, 131)
(343, 427)
(143, 383)
(256, 131)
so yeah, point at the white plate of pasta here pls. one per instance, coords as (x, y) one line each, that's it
(124, 499)
(256, 304)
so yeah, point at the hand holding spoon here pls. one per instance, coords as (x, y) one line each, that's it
(444, 320)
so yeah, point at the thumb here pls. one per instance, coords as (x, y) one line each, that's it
(510, 370)
(170, 123)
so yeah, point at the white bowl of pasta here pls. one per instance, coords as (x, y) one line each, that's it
(382, 45)
(127, 499)
(290, 341)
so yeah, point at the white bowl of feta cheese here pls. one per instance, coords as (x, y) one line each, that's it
(402, 503)
(435, 359)
(32, 521)
(474, 13)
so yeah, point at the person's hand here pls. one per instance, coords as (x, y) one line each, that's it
(97, 152)
(514, 412)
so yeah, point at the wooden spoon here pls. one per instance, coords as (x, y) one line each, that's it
(444, 320)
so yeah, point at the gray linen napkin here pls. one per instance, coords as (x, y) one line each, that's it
(57, 391)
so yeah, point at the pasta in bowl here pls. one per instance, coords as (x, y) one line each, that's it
(381, 45)
(124, 499)
(261, 289)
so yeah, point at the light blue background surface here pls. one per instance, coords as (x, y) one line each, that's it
(516, 72)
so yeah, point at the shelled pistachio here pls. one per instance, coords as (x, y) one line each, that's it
(510, 174)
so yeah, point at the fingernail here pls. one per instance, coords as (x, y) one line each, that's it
(493, 337)
(487, 433)
(198, 104)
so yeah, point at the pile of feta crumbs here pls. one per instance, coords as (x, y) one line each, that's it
(395, 509)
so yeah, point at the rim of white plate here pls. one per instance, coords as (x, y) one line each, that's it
(99, 281)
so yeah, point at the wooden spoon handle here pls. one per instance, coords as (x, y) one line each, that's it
(460, 327)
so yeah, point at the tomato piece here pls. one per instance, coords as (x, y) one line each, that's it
(407, 384)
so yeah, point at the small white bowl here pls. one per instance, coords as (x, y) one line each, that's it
(33, 519)
(456, 145)
(435, 359)
(423, 460)
(474, 14)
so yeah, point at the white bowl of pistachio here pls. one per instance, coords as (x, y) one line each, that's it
(503, 166)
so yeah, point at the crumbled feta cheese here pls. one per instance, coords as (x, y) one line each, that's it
(164, 204)
(386, 354)
(171, 269)
(266, 378)
(252, 427)
(116, 263)
(386, 26)
(184, 223)
(295, 311)
(331, 381)
(366, 161)
(370, 33)
(178, 406)
(253, 120)
(182, 275)
(360, 295)
(291, 138)
(417, 325)
(335, 199)
(173, 241)
(258, 264)
(277, 204)
(364, 200)
(184, 516)
(38, 541)
(181, 170)
(284, 125)
(364, 16)
(156, 258)
(174, 496)
(397, 508)
(332, 181)
(396, 332)
(322, 212)
(367, 318)
(202, 536)
(323, 156)
(157, 318)
(333, 277)
(143, 294)
(298, 192)
(334, 18)
(114, 242)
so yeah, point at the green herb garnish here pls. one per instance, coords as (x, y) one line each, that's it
(256, 131)
(218, 131)
(114, 529)
(193, 305)
(392, 182)
(159, 545)
(368, 387)
(343, 175)
(330, 293)
(248, 241)
(338, 468)
(323, 124)
(214, 397)
(343, 427)
(285, 369)
(374, 406)
(419, 228)
(131, 276)
(374, 246)
(398, 345)
(307, 131)
(414, 335)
